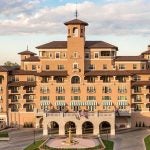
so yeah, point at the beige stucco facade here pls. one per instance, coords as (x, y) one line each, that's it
(74, 76)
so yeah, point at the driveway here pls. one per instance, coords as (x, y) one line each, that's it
(133, 140)
(19, 139)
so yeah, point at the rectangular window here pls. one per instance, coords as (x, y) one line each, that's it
(91, 89)
(96, 55)
(121, 66)
(92, 67)
(33, 67)
(75, 97)
(44, 90)
(30, 78)
(61, 67)
(106, 98)
(47, 67)
(122, 97)
(44, 98)
(106, 89)
(134, 66)
(142, 66)
(57, 55)
(75, 66)
(91, 97)
(122, 89)
(104, 66)
(75, 89)
(60, 89)
(60, 98)
(87, 55)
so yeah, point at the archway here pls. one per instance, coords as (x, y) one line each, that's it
(104, 127)
(53, 128)
(75, 80)
(87, 128)
(41, 123)
(71, 125)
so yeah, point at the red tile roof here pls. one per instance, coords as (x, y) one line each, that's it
(146, 52)
(32, 58)
(76, 21)
(53, 73)
(129, 58)
(8, 68)
(23, 72)
(27, 52)
(22, 83)
(88, 44)
(108, 73)
(141, 83)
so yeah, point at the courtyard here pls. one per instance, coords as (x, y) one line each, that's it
(21, 138)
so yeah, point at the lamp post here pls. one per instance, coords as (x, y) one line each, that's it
(34, 135)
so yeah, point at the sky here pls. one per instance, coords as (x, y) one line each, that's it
(123, 23)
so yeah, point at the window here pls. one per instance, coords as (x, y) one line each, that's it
(50, 55)
(33, 67)
(137, 89)
(91, 89)
(106, 89)
(59, 79)
(60, 97)
(75, 80)
(47, 67)
(96, 55)
(75, 89)
(90, 79)
(30, 78)
(60, 89)
(44, 90)
(106, 98)
(75, 32)
(91, 97)
(136, 78)
(87, 55)
(104, 66)
(122, 89)
(121, 79)
(105, 53)
(122, 97)
(90, 108)
(57, 55)
(142, 66)
(105, 79)
(75, 55)
(134, 66)
(44, 98)
(1, 79)
(92, 67)
(75, 66)
(45, 80)
(121, 66)
(75, 97)
(61, 67)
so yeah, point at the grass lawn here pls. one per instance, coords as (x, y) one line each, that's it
(147, 142)
(3, 134)
(109, 145)
(34, 146)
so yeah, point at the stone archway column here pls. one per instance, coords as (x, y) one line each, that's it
(45, 128)
(61, 129)
(96, 129)
(78, 129)
(112, 132)
(37, 124)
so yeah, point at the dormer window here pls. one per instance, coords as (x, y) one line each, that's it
(75, 32)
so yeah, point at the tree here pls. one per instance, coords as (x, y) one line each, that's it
(9, 63)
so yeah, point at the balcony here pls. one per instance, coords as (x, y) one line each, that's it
(29, 91)
(29, 110)
(14, 91)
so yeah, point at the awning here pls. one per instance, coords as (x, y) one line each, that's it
(60, 103)
(122, 103)
(77, 103)
(45, 103)
(91, 103)
(107, 103)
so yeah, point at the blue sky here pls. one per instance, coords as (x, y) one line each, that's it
(124, 23)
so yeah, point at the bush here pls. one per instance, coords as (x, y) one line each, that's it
(28, 125)
(3, 134)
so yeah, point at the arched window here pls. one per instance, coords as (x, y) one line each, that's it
(75, 80)
(75, 31)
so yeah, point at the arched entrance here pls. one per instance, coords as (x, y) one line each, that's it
(104, 127)
(41, 123)
(71, 125)
(53, 128)
(87, 128)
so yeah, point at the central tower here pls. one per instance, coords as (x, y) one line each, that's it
(75, 46)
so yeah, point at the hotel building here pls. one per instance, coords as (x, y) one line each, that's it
(77, 83)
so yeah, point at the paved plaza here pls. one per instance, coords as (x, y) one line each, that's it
(19, 139)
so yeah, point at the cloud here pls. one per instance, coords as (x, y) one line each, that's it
(112, 17)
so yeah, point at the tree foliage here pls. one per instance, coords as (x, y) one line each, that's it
(9, 63)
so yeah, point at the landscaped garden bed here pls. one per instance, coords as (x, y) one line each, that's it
(4, 136)
(147, 142)
(34, 146)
